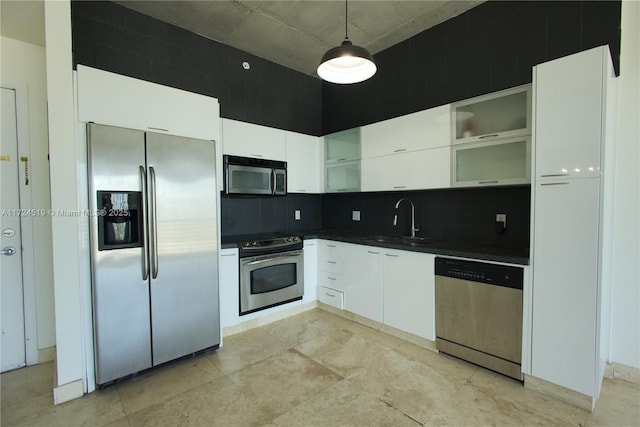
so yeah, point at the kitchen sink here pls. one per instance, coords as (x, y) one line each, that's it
(401, 240)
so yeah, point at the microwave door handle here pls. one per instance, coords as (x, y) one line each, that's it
(273, 181)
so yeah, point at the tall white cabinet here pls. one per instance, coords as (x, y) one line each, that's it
(570, 119)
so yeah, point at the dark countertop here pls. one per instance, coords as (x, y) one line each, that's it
(511, 255)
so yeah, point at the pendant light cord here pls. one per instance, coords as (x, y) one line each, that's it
(346, 36)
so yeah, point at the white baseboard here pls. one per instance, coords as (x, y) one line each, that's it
(559, 392)
(67, 392)
(389, 330)
(624, 372)
(269, 318)
(46, 354)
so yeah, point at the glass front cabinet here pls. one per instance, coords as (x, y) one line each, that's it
(342, 161)
(497, 162)
(491, 139)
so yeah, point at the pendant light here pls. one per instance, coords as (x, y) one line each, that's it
(346, 63)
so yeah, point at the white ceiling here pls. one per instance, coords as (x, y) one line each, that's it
(293, 33)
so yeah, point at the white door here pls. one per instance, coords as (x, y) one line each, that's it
(12, 347)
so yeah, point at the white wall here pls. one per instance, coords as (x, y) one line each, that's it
(64, 196)
(25, 63)
(625, 304)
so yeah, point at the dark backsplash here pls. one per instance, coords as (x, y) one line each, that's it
(464, 215)
(266, 214)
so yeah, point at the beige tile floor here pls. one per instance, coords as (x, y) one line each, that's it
(313, 369)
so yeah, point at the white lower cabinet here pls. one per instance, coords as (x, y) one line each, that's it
(408, 292)
(389, 286)
(363, 281)
(310, 270)
(229, 282)
(566, 286)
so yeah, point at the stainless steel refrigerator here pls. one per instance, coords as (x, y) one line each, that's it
(153, 248)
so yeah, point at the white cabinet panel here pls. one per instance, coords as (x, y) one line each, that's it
(363, 281)
(408, 171)
(117, 100)
(310, 270)
(569, 114)
(303, 163)
(565, 290)
(229, 285)
(250, 140)
(417, 131)
(409, 292)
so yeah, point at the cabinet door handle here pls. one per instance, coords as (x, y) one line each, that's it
(341, 160)
(331, 246)
(399, 186)
(493, 135)
(160, 129)
(393, 256)
(256, 155)
(488, 182)
(329, 295)
(550, 175)
(331, 278)
(374, 253)
(555, 183)
(331, 262)
(400, 150)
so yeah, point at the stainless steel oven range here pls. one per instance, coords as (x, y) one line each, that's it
(271, 272)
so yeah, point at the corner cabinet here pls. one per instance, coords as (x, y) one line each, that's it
(342, 161)
(491, 142)
(303, 162)
(389, 286)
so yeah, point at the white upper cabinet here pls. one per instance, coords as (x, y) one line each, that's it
(569, 114)
(250, 140)
(424, 129)
(303, 163)
(416, 170)
(112, 99)
(502, 114)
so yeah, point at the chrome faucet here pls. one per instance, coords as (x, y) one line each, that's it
(413, 216)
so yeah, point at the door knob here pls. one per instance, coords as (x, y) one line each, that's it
(8, 251)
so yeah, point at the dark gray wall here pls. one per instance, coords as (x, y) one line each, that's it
(490, 47)
(113, 38)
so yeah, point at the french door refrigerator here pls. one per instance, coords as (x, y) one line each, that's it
(153, 248)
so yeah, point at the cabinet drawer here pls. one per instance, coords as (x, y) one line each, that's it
(331, 280)
(331, 297)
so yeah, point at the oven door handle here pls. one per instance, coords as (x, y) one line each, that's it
(260, 261)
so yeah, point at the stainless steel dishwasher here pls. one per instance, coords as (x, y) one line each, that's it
(479, 313)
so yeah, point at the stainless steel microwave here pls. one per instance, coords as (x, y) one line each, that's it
(247, 175)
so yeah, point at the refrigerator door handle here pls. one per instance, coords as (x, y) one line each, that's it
(145, 231)
(154, 225)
